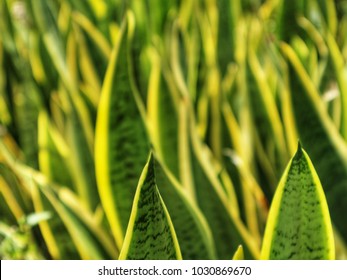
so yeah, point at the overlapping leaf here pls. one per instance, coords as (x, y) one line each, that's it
(120, 142)
(192, 230)
(322, 140)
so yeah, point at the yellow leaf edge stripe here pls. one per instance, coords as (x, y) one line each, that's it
(130, 229)
(101, 146)
(276, 202)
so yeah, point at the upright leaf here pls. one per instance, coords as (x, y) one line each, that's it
(80, 140)
(299, 225)
(321, 139)
(150, 234)
(13, 194)
(72, 232)
(227, 229)
(163, 117)
(45, 16)
(193, 233)
(286, 21)
(90, 241)
(58, 245)
(239, 255)
(339, 67)
(53, 152)
(229, 13)
(27, 110)
(121, 145)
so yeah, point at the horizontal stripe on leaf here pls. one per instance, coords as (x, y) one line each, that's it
(299, 225)
(150, 234)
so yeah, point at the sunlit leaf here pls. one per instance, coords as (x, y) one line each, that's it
(121, 144)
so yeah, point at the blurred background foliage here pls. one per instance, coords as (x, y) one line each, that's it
(220, 90)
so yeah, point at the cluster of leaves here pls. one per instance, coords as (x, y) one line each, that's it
(163, 129)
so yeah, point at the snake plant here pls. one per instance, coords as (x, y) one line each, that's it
(169, 129)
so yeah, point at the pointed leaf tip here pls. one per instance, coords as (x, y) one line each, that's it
(239, 254)
(299, 145)
(150, 234)
(299, 225)
(299, 152)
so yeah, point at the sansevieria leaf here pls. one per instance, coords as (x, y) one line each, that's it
(299, 225)
(322, 140)
(89, 239)
(239, 255)
(193, 232)
(58, 245)
(163, 117)
(53, 152)
(13, 194)
(72, 227)
(121, 145)
(227, 229)
(27, 112)
(150, 234)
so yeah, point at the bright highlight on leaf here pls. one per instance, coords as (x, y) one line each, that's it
(239, 255)
(120, 141)
(299, 225)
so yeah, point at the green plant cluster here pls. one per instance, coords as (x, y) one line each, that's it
(169, 129)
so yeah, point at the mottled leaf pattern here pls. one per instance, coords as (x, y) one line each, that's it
(321, 139)
(299, 225)
(150, 234)
(218, 91)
